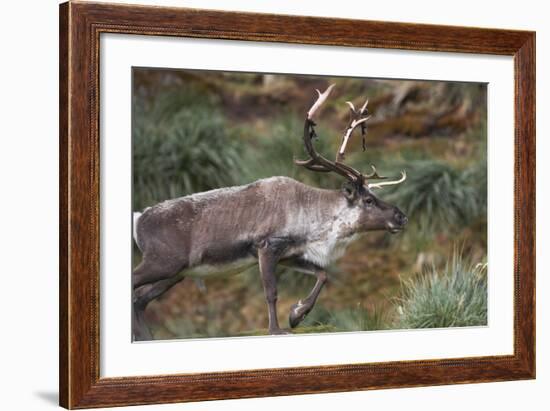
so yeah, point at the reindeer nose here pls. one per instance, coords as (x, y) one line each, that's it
(400, 218)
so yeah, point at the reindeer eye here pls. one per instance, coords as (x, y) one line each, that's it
(369, 201)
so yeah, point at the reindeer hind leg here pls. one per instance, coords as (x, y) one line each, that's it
(142, 297)
(150, 279)
(151, 270)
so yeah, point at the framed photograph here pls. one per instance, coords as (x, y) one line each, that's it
(260, 205)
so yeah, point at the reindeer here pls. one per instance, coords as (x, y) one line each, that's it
(272, 221)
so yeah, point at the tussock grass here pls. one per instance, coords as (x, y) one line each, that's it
(181, 146)
(453, 297)
(438, 196)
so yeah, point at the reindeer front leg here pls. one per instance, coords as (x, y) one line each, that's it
(268, 256)
(299, 310)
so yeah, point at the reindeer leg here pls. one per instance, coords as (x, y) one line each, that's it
(142, 297)
(153, 269)
(268, 256)
(302, 308)
(140, 330)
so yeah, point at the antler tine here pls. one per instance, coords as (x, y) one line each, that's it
(374, 175)
(358, 118)
(390, 183)
(364, 108)
(319, 102)
(352, 126)
(351, 106)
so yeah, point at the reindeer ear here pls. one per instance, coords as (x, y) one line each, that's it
(349, 190)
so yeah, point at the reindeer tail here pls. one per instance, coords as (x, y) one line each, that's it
(136, 216)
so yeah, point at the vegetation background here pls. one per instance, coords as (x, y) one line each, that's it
(198, 130)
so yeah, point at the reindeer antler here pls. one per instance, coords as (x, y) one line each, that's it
(357, 118)
(317, 162)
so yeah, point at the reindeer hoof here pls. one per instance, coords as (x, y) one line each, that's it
(297, 313)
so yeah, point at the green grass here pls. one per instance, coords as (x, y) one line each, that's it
(348, 319)
(453, 297)
(438, 196)
(181, 146)
(273, 152)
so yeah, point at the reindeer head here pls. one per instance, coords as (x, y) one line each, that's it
(374, 214)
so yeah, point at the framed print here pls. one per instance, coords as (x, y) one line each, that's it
(259, 205)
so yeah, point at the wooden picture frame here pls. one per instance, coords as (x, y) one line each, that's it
(80, 27)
